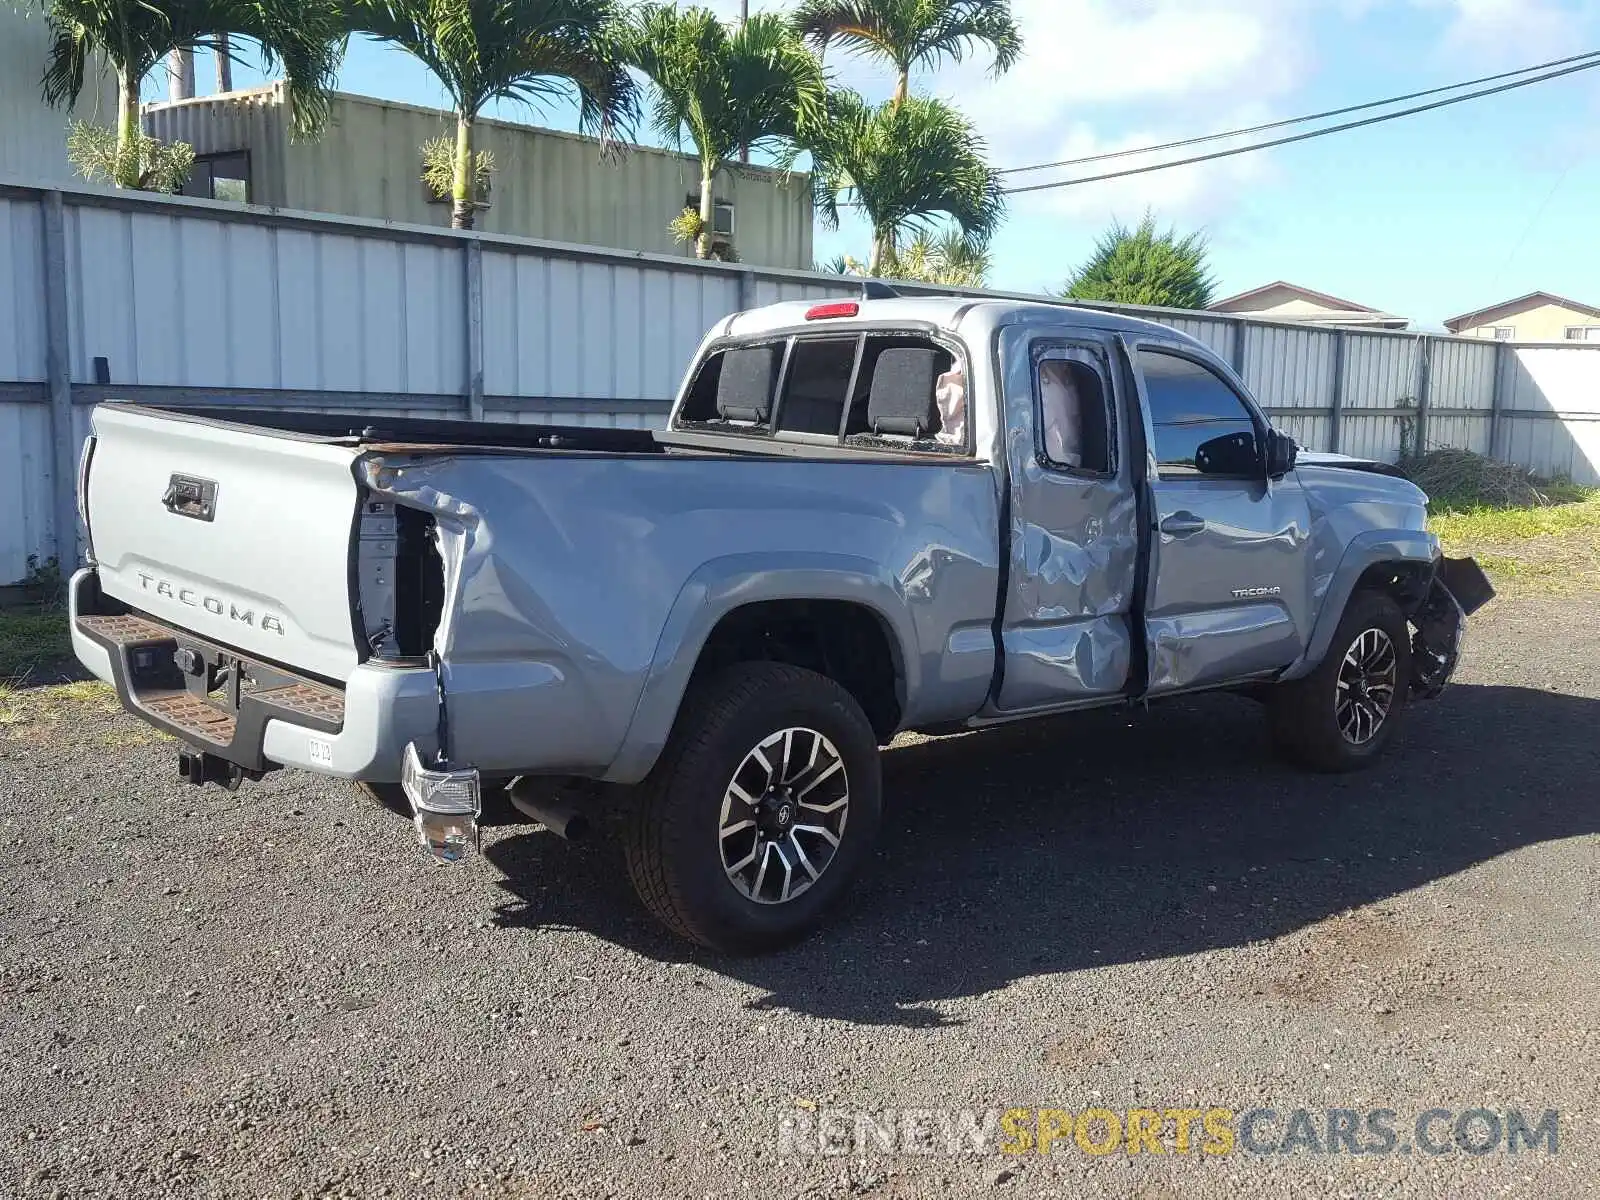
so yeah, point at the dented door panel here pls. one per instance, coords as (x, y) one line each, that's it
(1233, 598)
(1230, 589)
(1074, 548)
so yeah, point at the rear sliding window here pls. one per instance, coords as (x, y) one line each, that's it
(902, 392)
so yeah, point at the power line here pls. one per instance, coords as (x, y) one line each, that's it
(1332, 112)
(1301, 137)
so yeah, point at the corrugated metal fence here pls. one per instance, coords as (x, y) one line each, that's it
(115, 295)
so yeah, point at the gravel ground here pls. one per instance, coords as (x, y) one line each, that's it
(270, 993)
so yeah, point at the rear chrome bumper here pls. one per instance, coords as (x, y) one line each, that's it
(358, 732)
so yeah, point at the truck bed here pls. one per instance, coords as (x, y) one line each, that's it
(560, 579)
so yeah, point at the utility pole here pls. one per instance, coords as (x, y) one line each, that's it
(744, 16)
(224, 64)
(180, 75)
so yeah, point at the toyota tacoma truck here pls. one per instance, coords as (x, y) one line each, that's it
(864, 516)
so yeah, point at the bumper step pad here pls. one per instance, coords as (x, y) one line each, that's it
(306, 699)
(207, 719)
(124, 631)
(197, 718)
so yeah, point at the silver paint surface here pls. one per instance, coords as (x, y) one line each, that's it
(1074, 546)
(580, 588)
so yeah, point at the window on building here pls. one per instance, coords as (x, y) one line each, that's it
(722, 216)
(221, 177)
(1504, 333)
(1583, 333)
(1190, 409)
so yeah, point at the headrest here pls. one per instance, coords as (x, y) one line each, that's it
(902, 397)
(744, 389)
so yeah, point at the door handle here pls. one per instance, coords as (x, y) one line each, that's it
(1182, 524)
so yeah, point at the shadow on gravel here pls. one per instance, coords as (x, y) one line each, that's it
(1106, 838)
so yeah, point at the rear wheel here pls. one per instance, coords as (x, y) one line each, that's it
(760, 811)
(1346, 712)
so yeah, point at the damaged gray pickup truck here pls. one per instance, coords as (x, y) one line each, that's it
(864, 517)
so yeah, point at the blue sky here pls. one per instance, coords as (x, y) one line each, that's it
(1428, 216)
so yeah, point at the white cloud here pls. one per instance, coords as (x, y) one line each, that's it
(1513, 32)
(1094, 56)
(1104, 75)
(1109, 75)
(1191, 195)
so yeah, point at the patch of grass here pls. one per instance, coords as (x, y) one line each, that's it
(58, 714)
(1551, 549)
(1497, 524)
(39, 697)
(52, 703)
(33, 640)
(76, 717)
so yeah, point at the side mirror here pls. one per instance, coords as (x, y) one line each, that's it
(1281, 454)
(1231, 454)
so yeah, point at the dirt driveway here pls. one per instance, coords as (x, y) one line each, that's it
(270, 994)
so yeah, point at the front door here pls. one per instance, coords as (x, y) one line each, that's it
(1228, 578)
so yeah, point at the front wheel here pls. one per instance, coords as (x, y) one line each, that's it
(1343, 714)
(762, 808)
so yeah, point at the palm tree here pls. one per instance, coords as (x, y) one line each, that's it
(134, 35)
(913, 33)
(527, 50)
(949, 259)
(902, 166)
(750, 86)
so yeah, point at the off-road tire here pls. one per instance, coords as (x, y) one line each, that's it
(670, 838)
(1303, 713)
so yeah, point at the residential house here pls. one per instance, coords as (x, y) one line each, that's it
(547, 184)
(1536, 317)
(1282, 301)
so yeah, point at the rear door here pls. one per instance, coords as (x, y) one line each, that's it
(1065, 630)
(1227, 577)
(241, 536)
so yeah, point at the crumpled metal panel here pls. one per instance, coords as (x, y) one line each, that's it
(1198, 647)
(1074, 548)
(1092, 657)
(572, 580)
(1208, 618)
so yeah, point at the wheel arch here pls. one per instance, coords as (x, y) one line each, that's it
(730, 601)
(1397, 562)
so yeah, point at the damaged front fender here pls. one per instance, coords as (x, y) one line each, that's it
(1458, 590)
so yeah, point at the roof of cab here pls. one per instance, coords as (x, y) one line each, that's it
(943, 311)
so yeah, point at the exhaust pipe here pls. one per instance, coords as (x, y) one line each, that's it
(541, 801)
